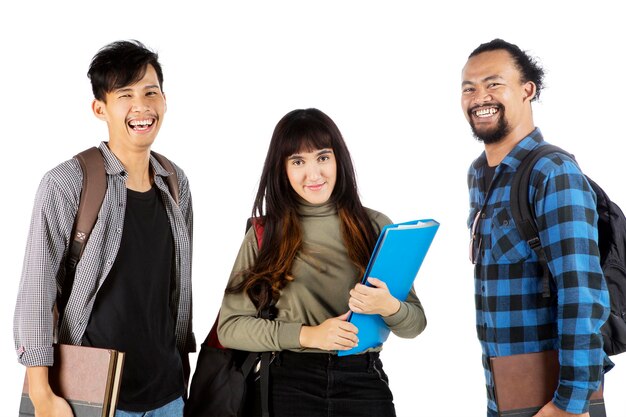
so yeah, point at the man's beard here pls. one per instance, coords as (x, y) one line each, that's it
(494, 135)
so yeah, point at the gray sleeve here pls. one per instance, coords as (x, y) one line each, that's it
(238, 326)
(410, 319)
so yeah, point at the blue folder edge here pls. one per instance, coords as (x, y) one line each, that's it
(396, 259)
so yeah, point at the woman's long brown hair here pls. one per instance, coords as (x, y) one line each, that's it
(276, 205)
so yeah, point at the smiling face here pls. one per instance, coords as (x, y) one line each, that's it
(495, 100)
(312, 175)
(133, 113)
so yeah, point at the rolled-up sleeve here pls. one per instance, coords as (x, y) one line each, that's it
(50, 228)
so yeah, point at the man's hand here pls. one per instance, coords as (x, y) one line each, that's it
(551, 410)
(373, 300)
(46, 403)
(54, 407)
(333, 334)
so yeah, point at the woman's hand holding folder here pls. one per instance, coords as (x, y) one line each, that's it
(335, 333)
(373, 298)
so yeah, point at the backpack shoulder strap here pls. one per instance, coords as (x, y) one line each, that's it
(172, 179)
(522, 211)
(91, 196)
(259, 225)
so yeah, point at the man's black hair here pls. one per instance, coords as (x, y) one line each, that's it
(528, 67)
(119, 64)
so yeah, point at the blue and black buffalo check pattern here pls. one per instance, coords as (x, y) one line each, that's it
(512, 316)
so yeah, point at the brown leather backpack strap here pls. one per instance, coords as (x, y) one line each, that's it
(91, 197)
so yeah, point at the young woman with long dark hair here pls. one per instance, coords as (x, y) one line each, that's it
(316, 244)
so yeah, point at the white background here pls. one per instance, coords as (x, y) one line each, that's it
(388, 73)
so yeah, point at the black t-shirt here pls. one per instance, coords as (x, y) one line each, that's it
(133, 312)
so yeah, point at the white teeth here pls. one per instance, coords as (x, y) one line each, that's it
(486, 112)
(141, 122)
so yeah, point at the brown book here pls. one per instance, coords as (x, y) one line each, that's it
(88, 378)
(525, 383)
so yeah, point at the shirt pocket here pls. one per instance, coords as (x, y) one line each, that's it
(507, 246)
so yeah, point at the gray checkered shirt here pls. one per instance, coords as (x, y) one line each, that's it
(43, 271)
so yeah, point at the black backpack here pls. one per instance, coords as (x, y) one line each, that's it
(223, 380)
(611, 242)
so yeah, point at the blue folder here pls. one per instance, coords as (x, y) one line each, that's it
(396, 259)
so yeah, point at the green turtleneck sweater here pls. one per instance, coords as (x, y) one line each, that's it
(323, 277)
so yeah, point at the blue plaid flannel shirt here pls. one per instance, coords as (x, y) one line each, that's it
(512, 317)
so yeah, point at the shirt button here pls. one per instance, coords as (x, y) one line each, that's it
(505, 223)
(483, 215)
(482, 288)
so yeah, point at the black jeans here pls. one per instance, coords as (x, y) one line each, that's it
(325, 385)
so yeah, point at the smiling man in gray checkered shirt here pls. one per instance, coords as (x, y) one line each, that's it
(132, 288)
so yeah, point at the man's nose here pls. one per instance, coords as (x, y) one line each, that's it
(481, 96)
(140, 104)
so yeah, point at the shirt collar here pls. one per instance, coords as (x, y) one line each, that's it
(307, 209)
(517, 154)
(113, 166)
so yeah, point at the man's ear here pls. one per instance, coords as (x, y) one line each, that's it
(530, 90)
(165, 101)
(99, 109)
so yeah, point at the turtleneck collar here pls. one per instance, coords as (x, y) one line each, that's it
(307, 209)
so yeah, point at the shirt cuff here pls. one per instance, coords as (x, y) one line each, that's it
(43, 356)
(398, 317)
(571, 399)
(289, 335)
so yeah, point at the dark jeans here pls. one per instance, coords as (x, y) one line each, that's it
(320, 384)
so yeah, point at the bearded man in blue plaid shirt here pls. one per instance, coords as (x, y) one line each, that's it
(499, 82)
